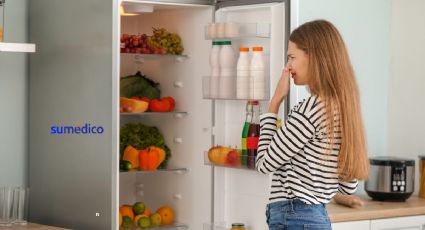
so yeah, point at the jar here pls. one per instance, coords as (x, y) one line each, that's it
(238, 226)
(422, 176)
(2, 20)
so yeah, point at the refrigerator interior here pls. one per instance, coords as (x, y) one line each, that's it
(234, 197)
(188, 136)
(241, 195)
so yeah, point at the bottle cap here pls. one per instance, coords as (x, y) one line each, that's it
(257, 48)
(244, 49)
(226, 42)
(238, 225)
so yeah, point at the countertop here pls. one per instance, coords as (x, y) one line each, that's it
(376, 209)
(31, 226)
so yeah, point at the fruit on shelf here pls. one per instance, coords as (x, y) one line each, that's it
(171, 101)
(143, 222)
(126, 211)
(133, 105)
(156, 219)
(131, 155)
(147, 212)
(218, 154)
(161, 42)
(165, 104)
(167, 215)
(129, 219)
(233, 158)
(127, 222)
(151, 158)
(139, 208)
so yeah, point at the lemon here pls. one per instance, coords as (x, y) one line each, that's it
(156, 219)
(144, 222)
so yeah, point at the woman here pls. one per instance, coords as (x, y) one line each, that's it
(321, 149)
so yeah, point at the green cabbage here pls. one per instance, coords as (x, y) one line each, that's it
(139, 85)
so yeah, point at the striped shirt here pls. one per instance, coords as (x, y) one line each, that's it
(297, 154)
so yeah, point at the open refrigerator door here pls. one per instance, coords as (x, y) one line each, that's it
(240, 196)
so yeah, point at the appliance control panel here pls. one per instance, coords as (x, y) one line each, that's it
(398, 179)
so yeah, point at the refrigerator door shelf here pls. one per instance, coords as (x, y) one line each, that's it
(231, 88)
(234, 30)
(228, 161)
(176, 114)
(169, 170)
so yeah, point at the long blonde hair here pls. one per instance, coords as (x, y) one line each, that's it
(331, 78)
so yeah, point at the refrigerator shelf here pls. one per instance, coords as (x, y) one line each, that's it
(17, 47)
(141, 57)
(222, 160)
(233, 30)
(174, 113)
(166, 227)
(212, 88)
(173, 170)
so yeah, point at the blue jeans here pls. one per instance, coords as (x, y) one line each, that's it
(297, 215)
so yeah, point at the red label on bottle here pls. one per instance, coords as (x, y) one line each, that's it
(252, 142)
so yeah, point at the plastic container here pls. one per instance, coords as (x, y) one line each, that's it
(422, 176)
(215, 69)
(242, 74)
(227, 70)
(257, 87)
(2, 5)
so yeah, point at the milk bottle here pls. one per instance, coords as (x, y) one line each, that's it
(257, 86)
(242, 74)
(215, 69)
(227, 71)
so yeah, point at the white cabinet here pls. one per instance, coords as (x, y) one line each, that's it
(352, 225)
(398, 223)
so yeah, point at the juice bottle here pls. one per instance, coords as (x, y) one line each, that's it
(248, 120)
(253, 135)
(238, 226)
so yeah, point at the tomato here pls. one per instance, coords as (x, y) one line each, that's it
(172, 102)
(159, 105)
(148, 100)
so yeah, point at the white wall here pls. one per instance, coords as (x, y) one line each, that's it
(14, 99)
(365, 27)
(407, 82)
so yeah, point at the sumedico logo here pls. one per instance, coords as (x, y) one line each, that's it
(83, 129)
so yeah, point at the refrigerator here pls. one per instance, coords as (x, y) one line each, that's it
(74, 80)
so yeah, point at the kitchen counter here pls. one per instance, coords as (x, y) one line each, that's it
(31, 226)
(376, 209)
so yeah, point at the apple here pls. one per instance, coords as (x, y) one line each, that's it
(233, 158)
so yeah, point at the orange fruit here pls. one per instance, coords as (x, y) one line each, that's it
(127, 210)
(147, 212)
(167, 215)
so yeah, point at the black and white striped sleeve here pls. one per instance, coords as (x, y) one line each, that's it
(275, 148)
(347, 187)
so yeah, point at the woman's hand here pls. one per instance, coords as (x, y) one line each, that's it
(282, 90)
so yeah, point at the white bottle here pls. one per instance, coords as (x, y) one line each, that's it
(242, 74)
(215, 69)
(227, 71)
(257, 86)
